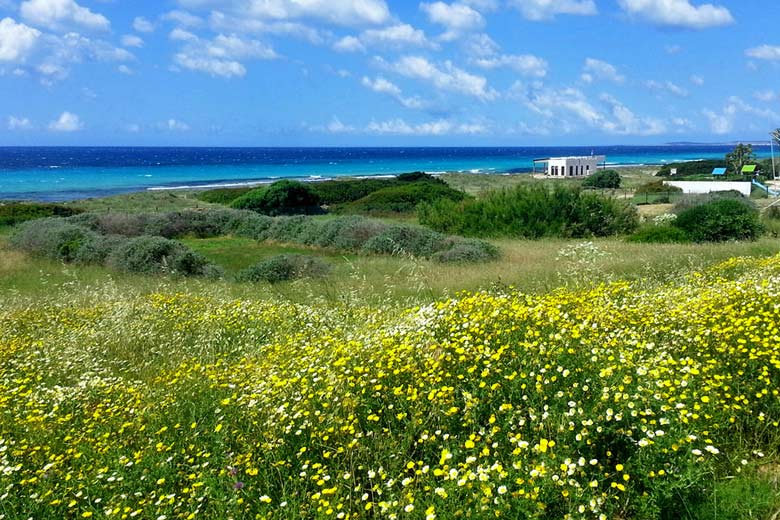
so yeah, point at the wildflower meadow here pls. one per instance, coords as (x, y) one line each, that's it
(625, 400)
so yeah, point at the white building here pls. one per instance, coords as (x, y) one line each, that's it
(571, 166)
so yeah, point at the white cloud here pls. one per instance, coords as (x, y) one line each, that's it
(133, 128)
(183, 18)
(337, 127)
(75, 48)
(124, 69)
(766, 96)
(678, 13)
(457, 18)
(434, 128)
(610, 115)
(16, 40)
(383, 86)
(447, 77)
(55, 14)
(724, 121)
(666, 86)
(142, 25)
(349, 44)
(340, 12)
(697, 80)
(537, 10)
(180, 35)
(400, 35)
(673, 49)
(67, 122)
(525, 64)
(765, 52)
(219, 21)
(174, 125)
(131, 40)
(219, 57)
(19, 123)
(600, 70)
(481, 45)
(395, 36)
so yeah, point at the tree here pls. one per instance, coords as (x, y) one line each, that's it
(742, 155)
(605, 179)
(776, 136)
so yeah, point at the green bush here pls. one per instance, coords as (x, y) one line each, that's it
(419, 177)
(224, 196)
(402, 198)
(692, 168)
(666, 234)
(657, 186)
(603, 179)
(281, 268)
(54, 238)
(531, 211)
(344, 191)
(155, 255)
(720, 220)
(14, 213)
(468, 251)
(406, 240)
(281, 198)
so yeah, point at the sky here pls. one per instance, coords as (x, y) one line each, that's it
(387, 72)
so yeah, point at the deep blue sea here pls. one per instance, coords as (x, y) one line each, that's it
(56, 174)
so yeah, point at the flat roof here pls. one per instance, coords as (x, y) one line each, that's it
(547, 159)
(750, 168)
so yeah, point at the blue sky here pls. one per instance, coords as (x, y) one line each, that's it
(387, 72)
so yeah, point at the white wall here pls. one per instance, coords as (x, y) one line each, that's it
(699, 187)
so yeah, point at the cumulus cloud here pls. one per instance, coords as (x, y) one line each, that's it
(538, 10)
(666, 86)
(433, 128)
(594, 70)
(340, 12)
(570, 109)
(124, 69)
(142, 25)
(383, 86)
(220, 56)
(67, 122)
(17, 40)
(481, 45)
(220, 21)
(131, 40)
(74, 48)
(678, 13)
(457, 18)
(446, 77)
(395, 36)
(174, 125)
(765, 52)
(766, 96)
(19, 123)
(525, 64)
(55, 14)
(724, 121)
(697, 80)
(349, 44)
(337, 127)
(183, 18)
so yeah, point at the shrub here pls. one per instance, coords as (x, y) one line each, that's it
(153, 255)
(661, 234)
(657, 186)
(468, 251)
(281, 268)
(224, 196)
(54, 238)
(402, 198)
(281, 198)
(531, 211)
(720, 220)
(692, 168)
(17, 212)
(406, 240)
(343, 191)
(419, 177)
(604, 179)
(772, 213)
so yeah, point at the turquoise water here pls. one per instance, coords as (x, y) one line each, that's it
(71, 173)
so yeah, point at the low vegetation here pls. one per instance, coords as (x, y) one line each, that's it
(532, 211)
(282, 268)
(12, 213)
(281, 198)
(402, 198)
(603, 179)
(649, 400)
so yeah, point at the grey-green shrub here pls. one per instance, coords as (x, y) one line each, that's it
(406, 240)
(154, 255)
(282, 268)
(53, 238)
(467, 252)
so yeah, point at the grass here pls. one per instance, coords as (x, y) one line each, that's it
(144, 201)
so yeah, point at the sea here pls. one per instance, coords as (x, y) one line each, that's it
(70, 173)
